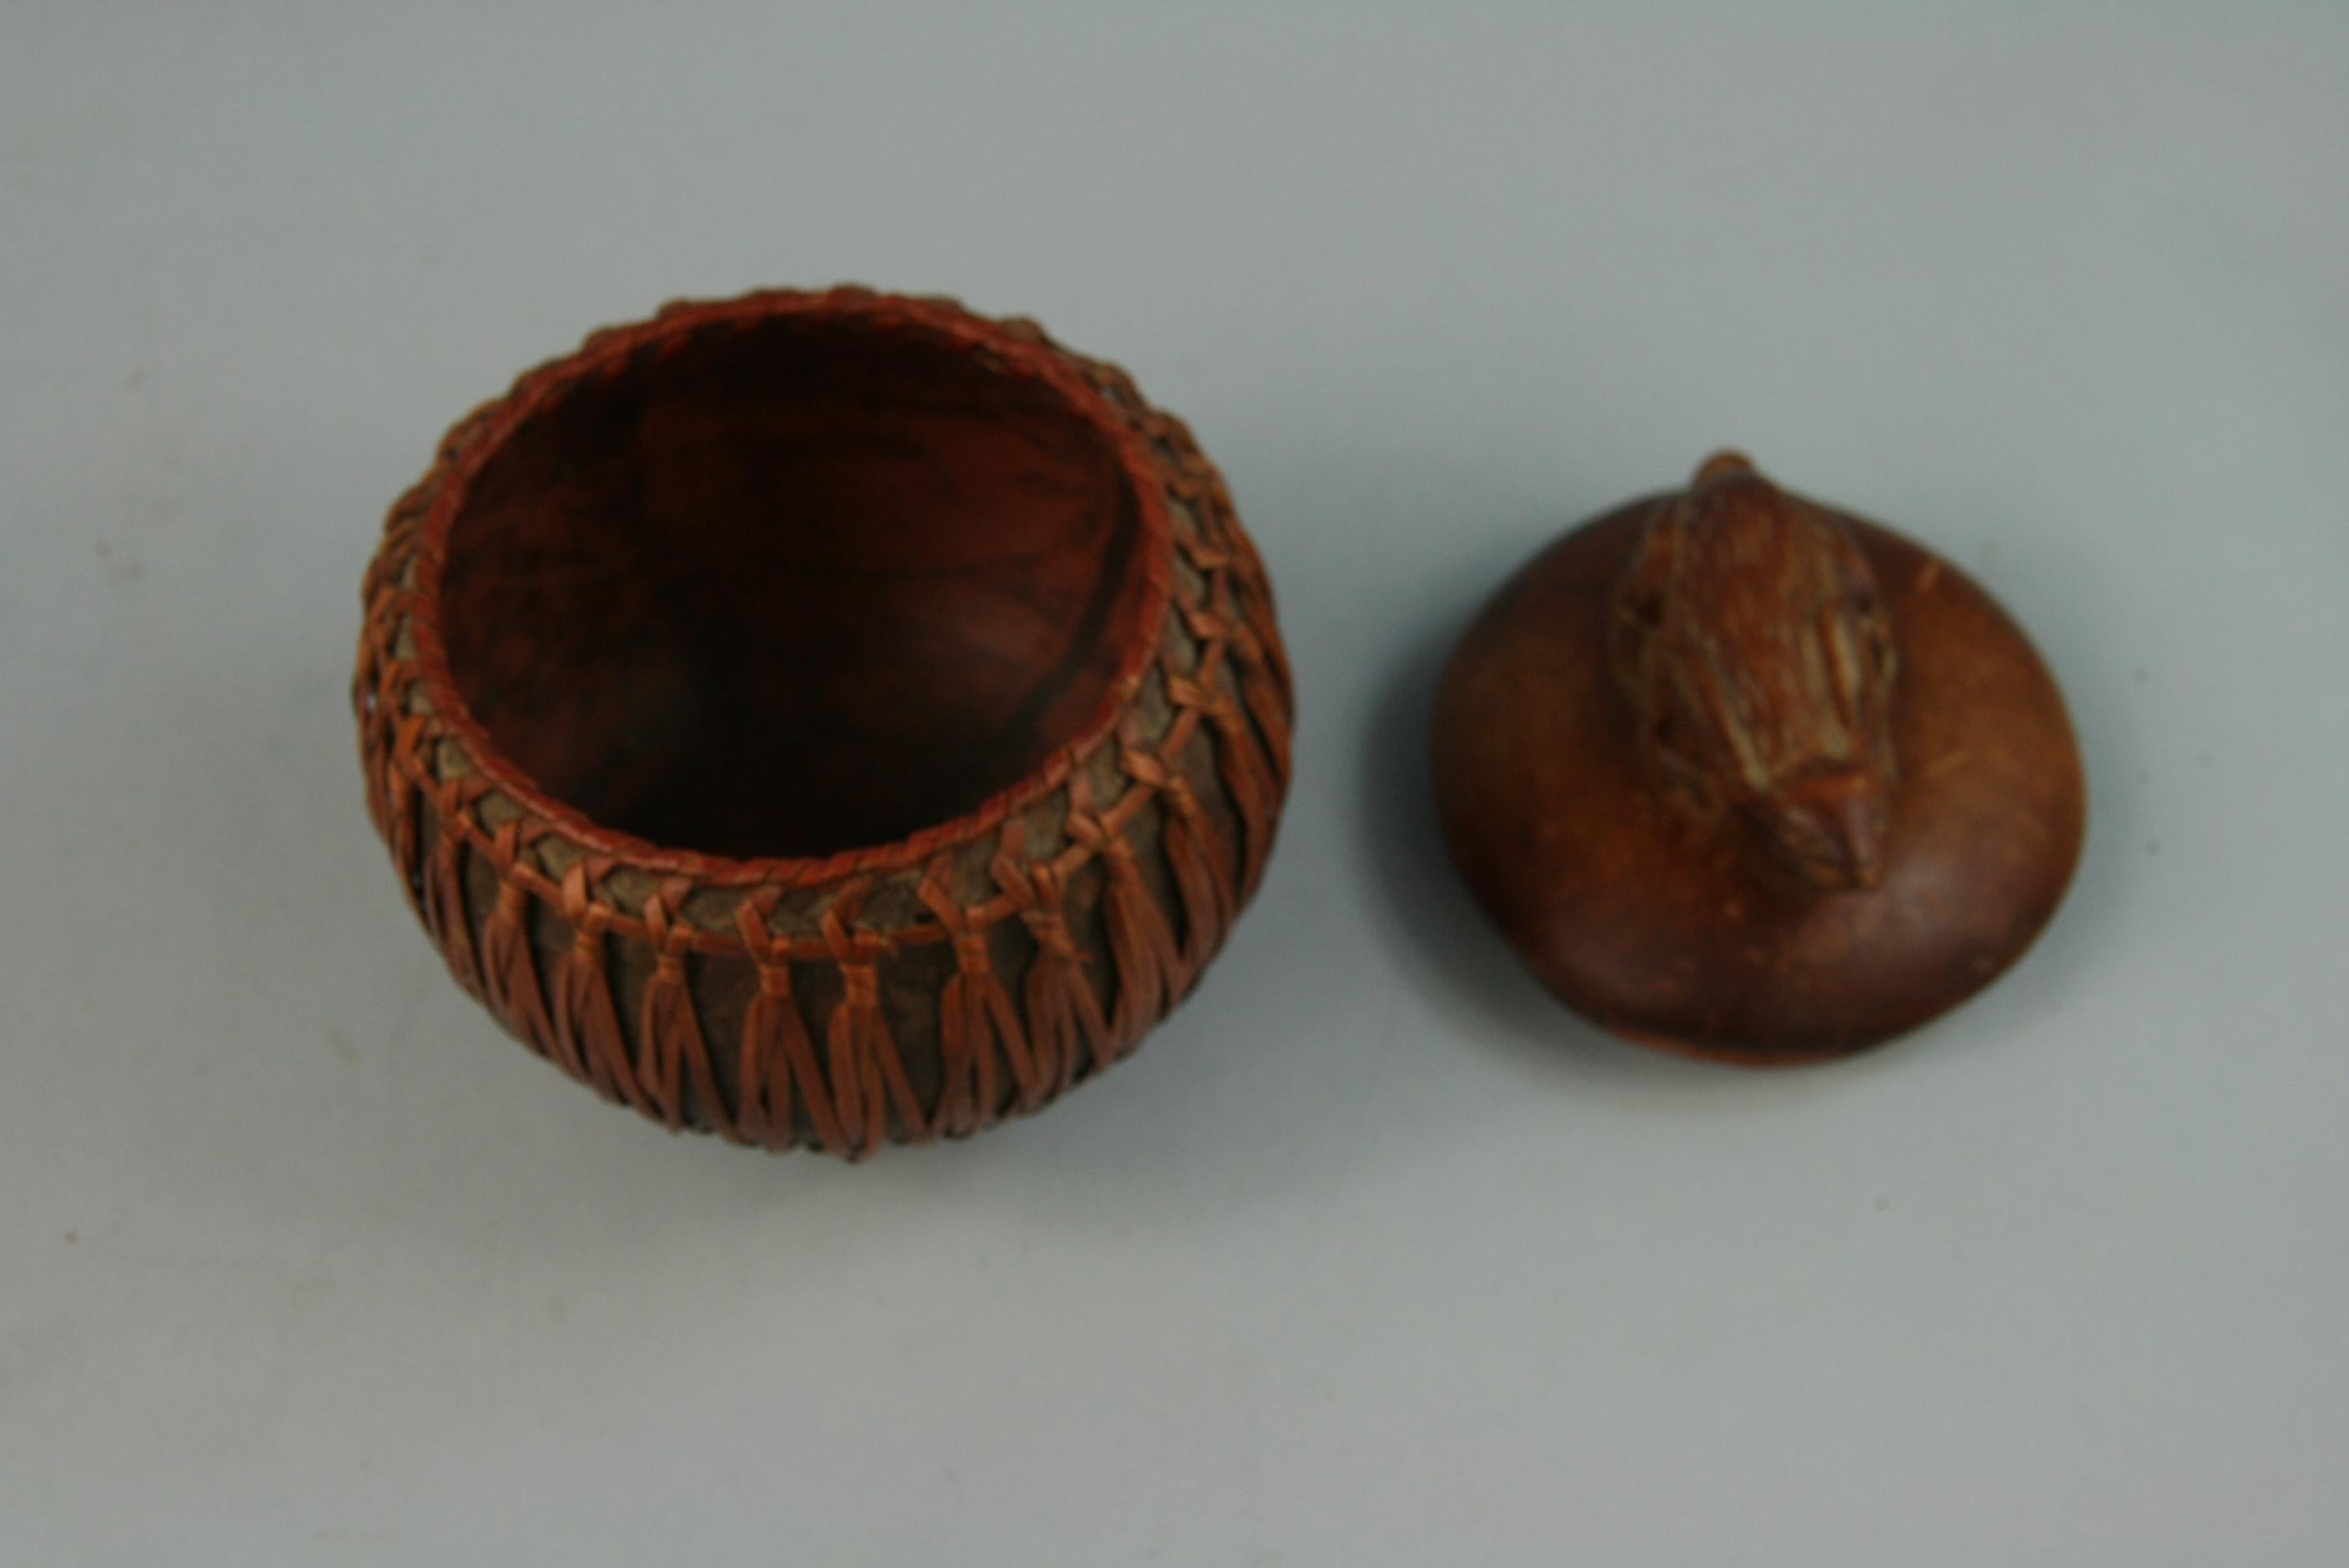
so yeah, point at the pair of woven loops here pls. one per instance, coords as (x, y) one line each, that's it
(1153, 973)
(588, 1040)
(1201, 874)
(868, 1075)
(443, 902)
(775, 1054)
(982, 1038)
(1065, 1026)
(678, 1076)
(850, 1094)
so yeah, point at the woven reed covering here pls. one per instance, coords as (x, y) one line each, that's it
(924, 987)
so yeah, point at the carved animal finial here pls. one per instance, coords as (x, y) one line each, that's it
(1753, 646)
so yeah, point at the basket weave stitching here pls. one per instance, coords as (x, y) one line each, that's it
(1217, 671)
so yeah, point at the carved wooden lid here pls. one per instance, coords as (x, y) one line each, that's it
(1746, 775)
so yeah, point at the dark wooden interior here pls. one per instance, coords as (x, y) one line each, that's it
(792, 590)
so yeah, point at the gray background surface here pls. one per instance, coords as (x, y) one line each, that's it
(1370, 1256)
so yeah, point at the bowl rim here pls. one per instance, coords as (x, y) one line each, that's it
(1010, 347)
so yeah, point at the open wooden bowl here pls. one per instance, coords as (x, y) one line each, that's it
(824, 719)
